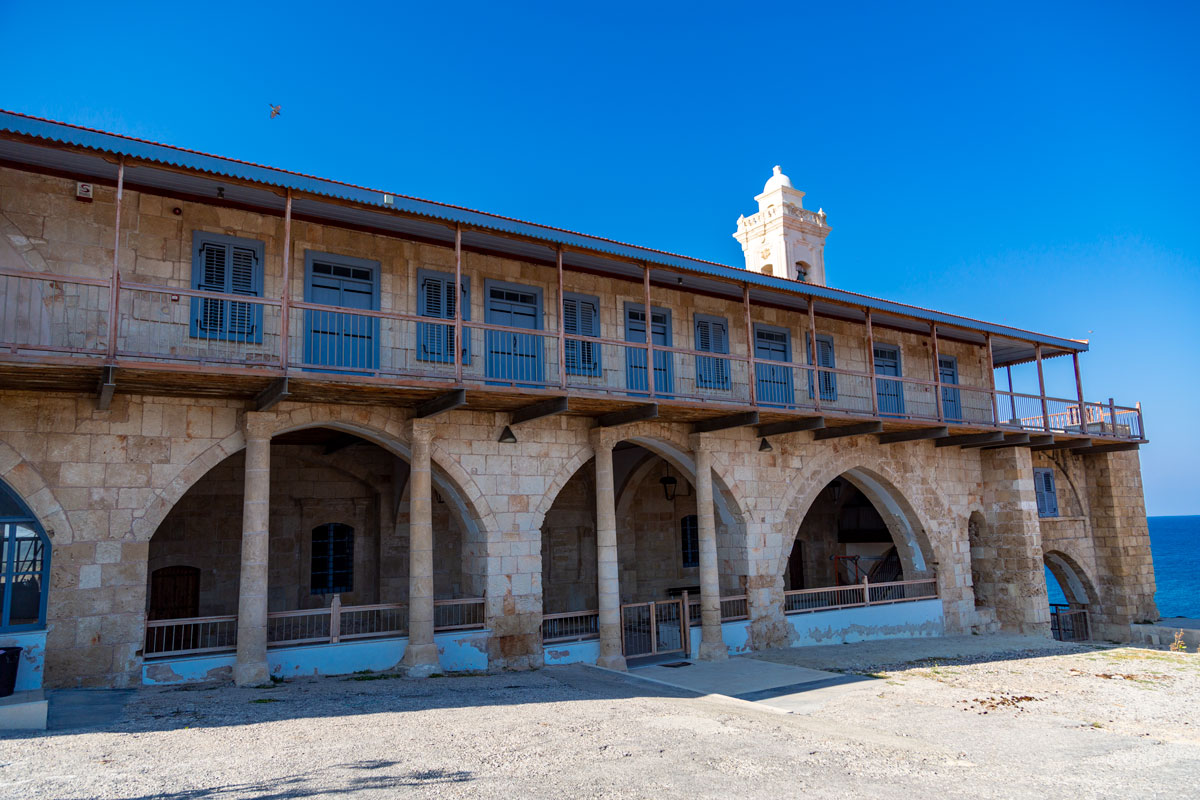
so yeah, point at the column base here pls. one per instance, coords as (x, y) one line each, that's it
(713, 651)
(254, 674)
(612, 662)
(421, 660)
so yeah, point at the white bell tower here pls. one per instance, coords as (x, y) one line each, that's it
(784, 238)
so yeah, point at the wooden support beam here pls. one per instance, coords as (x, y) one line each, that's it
(635, 414)
(1038, 439)
(970, 440)
(274, 394)
(1010, 440)
(848, 430)
(546, 408)
(108, 384)
(1116, 447)
(1068, 444)
(912, 436)
(791, 426)
(441, 404)
(723, 423)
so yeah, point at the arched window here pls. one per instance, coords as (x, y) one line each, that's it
(332, 559)
(26, 565)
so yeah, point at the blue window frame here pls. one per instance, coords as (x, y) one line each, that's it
(435, 299)
(581, 317)
(889, 394)
(951, 397)
(1047, 496)
(826, 359)
(332, 559)
(229, 265)
(712, 336)
(26, 565)
(635, 357)
(689, 535)
(335, 339)
(515, 357)
(774, 381)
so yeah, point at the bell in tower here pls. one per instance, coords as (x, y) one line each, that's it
(784, 238)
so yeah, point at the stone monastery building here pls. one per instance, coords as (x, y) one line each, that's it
(259, 423)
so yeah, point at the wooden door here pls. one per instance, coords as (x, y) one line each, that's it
(175, 593)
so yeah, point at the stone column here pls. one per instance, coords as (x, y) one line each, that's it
(420, 655)
(712, 643)
(250, 668)
(607, 566)
(1018, 571)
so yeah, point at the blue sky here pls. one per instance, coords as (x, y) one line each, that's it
(1029, 164)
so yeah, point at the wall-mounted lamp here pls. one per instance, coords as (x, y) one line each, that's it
(507, 436)
(836, 489)
(764, 446)
(668, 483)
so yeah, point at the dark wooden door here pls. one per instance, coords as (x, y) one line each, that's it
(175, 593)
(795, 566)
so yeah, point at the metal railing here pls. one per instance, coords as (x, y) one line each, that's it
(572, 626)
(67, 317)
(179, 637)
(1069, 624)
(830, 598)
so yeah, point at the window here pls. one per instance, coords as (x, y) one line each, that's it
(332, 559)
(232, 266)
(581, 317)
(689, 534)
(712, 336)
(435, 298)
(26, 565)
(825, 358)
(1047, 497)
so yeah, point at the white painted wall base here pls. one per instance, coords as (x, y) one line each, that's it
(33, 658)
(458, 651)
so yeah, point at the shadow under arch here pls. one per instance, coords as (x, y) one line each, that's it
(909, 533)
(1072, 579)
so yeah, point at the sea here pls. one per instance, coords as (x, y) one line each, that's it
(1175, 545)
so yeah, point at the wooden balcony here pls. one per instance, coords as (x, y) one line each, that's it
(80, 334)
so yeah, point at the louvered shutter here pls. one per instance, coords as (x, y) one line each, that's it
(581, 318)
(1047, 497)
(712, 336)
(213, 278)
(230, 266)
(243, 268)
(435, 298)
(571, 348)
(825, 358)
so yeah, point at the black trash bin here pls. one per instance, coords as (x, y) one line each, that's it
(10, 659)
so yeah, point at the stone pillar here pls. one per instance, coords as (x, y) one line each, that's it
(420, 655)
(1018, 571)
(250, 669)
(712, 643)
(1125, 569)
(607, 566)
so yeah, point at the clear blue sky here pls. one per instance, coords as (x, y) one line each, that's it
(1029, 164)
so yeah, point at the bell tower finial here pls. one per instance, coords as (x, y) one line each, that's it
(784, 238)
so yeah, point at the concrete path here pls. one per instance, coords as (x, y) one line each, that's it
(85, 708)
(781, 687)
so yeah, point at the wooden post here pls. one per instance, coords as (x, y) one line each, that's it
(1037, 354)
(649, 331)
(991, 373)
(114, 286)
(285, 295)
(562, 323)
(937, 372)
(335, 619)
(1112, 417)
(458, 329)
(814, 374)
(871, 364)
(750, 365)
(1012, 400)
(1141, 422)
(1083, 425)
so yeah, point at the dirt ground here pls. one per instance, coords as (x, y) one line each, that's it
(977, 717)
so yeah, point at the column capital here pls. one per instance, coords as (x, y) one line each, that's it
(419, 430)
(260, 424)
(604, 438)
(700, 442)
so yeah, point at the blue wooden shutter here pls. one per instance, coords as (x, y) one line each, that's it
(221, 264)
(1047, 496)
(245, 319)
(435, 298)
(712, 336)
(212, 276)
(581, 317)
(825, 358)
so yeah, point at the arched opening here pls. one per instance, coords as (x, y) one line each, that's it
(1071, 596)
(339, 517)
(845, 538)
(803, 270)
(657, 543)
(25, 560)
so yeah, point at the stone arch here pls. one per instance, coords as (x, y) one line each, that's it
(24, 479)
(1072, 578)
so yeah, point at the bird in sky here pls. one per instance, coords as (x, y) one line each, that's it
(275, 110)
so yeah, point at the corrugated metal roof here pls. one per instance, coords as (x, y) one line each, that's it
(168, 155)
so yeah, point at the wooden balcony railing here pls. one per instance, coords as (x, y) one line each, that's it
(56, 319)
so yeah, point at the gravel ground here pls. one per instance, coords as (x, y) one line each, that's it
(976, 717)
